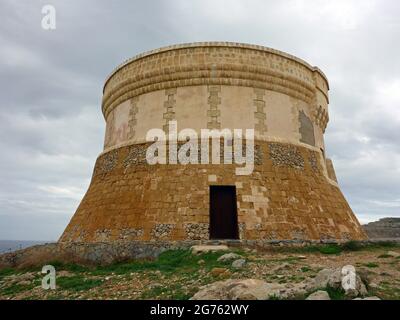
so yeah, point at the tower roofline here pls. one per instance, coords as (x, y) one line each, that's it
(215, 44)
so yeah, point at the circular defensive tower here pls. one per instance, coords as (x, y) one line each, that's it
(291, 193)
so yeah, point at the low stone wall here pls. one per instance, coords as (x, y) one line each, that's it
(104, 253)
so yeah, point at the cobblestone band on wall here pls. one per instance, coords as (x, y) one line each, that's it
(287, 197)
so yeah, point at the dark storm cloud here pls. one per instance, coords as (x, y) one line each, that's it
(52, 128)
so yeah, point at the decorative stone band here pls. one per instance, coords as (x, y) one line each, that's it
(262, 79)
(282, 154)
(213, 64)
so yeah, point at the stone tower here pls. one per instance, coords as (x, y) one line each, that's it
(292, 193)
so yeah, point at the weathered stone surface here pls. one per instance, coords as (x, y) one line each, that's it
(204, 249)
(86, 253)
(306, 129)
(229, 257)
(319, 295)
(219, 272)
(333, 278)
(248, 289)
(368, 298)
(387, 228)
(393, 254)
(238, 264)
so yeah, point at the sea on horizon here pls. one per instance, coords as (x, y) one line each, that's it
(14, 245)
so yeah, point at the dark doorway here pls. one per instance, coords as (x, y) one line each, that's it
(223, 213)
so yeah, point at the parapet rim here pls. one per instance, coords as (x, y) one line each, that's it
(214, 44)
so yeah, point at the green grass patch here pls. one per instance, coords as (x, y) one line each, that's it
(16, 288)
(173, 291)
(7, 272)
(371, 265)
(349, 246)
(336, 294)
(305, 269)
(181, 260)
(352, 246)
(72, 267)
(330, 249)
(77, 283)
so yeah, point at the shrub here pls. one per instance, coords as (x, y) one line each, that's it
(330, 249)
(352, 246)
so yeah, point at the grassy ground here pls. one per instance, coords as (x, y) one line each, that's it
(178, 274)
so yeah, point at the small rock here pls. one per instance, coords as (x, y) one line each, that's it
(319, 295)
(374, 285)
(201, 262)
(393, 254)
(203, 249)
(247, 289)
(301, 257)
(238, 264)
(154, 285)
(280, 267)
(219, 271)
(64, 273)
(229, 257)
(368, 298)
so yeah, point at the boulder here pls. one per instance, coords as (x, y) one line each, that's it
(238, 264)
(368, 298)
(333, 278)
(248, 289)
(203, 249)
(229, 257)
(219, 271)
(319, 295)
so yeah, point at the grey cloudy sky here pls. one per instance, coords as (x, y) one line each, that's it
(51, 82)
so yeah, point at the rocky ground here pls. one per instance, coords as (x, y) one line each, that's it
(278, 273)
(385, 228)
